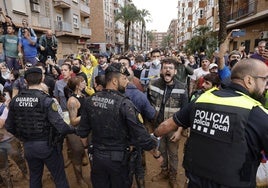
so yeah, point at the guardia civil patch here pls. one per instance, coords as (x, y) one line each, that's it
(140, 118)
(54, 107)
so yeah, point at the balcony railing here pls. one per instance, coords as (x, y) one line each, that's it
(41, 21)
(62, 3)
(63, 26)
(85, 31)
(244, 11)
(85, 10)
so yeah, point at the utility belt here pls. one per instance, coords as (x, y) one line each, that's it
(113, 155)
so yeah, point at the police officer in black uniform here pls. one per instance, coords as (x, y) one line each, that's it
(115, 123)
(33, 118)
(228, 130)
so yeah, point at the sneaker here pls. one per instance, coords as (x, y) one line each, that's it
(161, 176)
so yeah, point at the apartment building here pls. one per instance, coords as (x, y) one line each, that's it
(158, 37)
(173, 33)
(68, 19)
(250, 16)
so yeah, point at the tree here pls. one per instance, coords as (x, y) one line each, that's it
(128, 15)
(223, 17)
(203, 39)
(142, 18)
(165, 44)
(150, 37)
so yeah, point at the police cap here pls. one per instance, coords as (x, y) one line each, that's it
(117, 67)
(33, 70)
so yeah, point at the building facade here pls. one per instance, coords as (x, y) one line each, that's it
(68, 19)
(251, 17)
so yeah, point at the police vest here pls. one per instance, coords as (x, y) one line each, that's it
(217, 147)
(109, 130)
(30, 115)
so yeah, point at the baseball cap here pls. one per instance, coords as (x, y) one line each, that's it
(212, 65)
(117, 67)
(33, 70)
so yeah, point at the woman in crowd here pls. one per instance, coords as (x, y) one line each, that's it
(75, 99)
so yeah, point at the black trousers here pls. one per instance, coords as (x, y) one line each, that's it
(109, 170)
(199, 182)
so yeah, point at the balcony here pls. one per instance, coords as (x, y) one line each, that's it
(84, 10)
(39, 22)
(62, 3)
(243, 11)
(85, 32)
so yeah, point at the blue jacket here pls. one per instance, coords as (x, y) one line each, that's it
(139, 99)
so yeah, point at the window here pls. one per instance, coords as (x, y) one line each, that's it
(201, 13)
(19, 7)
(75, 21)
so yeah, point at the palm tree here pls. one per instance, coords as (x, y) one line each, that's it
(223, 17)
(128, 15)
(142, 18)
(150, 37)
(204, 39)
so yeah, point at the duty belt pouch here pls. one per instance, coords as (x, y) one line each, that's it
(117, 156)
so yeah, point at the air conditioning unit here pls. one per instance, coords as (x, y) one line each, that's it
(35, 7)
(35, 1)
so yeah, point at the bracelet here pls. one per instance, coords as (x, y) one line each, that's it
(157, 157)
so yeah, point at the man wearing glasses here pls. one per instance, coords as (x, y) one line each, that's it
(228, 130)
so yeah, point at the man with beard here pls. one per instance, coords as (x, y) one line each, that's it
(115, 124)
(228, 130)
(167, 96)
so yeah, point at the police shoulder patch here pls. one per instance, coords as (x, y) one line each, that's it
(140, 118)
(54, 107)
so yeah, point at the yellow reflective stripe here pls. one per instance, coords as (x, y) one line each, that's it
(243, 101)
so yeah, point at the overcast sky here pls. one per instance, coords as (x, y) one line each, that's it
(162, 12)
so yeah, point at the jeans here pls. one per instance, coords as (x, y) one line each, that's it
(169, 151)
(38, 154)
(12, 63)
(31, 60)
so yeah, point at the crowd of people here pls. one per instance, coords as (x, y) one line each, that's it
(105, 107)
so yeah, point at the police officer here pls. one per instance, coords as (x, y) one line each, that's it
(34, 119)
(228, 130)
(115, 123)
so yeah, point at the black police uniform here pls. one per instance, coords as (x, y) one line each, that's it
(114, 122)
(33, 118)
(228, 132)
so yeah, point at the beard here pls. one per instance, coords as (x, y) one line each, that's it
(258, 96)
(121, 89)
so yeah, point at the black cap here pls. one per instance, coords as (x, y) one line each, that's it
(33, 70)
(117, 67)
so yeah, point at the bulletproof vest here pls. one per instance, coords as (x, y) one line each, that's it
(30, 115)
(217, 147)
(109, 129)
